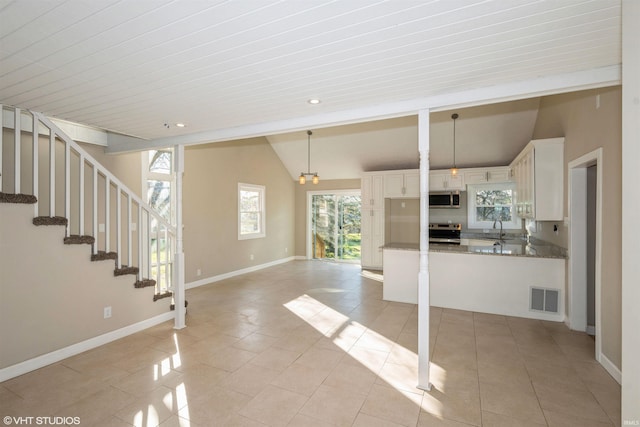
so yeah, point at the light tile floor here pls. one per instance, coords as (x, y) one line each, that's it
(313, 344)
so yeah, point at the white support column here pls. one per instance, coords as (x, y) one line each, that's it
(630, 208)
(17, 151)
(423, 275)
(178, 270)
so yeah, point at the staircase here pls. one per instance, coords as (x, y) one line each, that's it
(40, 165)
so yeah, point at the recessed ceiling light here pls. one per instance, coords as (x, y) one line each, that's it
(180, 125)
(314, 101)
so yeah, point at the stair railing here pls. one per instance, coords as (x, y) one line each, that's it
(140, 232)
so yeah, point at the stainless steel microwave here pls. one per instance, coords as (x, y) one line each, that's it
(444, 199)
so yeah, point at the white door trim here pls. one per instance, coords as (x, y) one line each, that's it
(576, 171)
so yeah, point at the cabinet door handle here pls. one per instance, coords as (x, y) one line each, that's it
(486, 176)
(371, 213)
(404, 190)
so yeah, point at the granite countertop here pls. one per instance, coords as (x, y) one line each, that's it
(510, 247)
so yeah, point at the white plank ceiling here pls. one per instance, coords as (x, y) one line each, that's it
(133, 66)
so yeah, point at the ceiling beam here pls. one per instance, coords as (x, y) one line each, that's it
(542, 86)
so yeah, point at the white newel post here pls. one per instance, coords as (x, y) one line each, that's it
(178, 267)
(423, 275)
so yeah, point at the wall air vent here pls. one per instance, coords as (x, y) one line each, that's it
(546, 300)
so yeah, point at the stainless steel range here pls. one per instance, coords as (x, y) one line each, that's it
(445, 233)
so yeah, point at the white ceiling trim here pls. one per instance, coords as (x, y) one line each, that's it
(548, 85)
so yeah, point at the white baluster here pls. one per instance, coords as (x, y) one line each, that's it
(81, 190)
(67, 184)
(17, 132)
(94, 210)
(129, 246)
(52, 173)
(118, 226)
(34, 163)
(107, 214)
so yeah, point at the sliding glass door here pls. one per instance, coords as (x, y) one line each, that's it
(335, 226)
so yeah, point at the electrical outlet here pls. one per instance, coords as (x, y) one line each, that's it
(198, 272)
(107, 312)
(251, 257)
(286, 250)
(101, 228)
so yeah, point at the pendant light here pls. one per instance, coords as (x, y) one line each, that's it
(302, 179)
(454, 169)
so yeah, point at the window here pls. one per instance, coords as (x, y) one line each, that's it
(251, 211)
(487, 203)
(158, 181)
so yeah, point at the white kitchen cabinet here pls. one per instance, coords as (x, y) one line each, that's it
(372, 220)
(372, 191)
(372, 238)
(404, 183)
(443, 180)
(539, 174)
(487, 175)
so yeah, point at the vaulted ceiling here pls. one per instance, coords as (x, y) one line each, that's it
(231, 69)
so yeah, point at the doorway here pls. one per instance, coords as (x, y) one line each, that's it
(585, 242)
(334, 225)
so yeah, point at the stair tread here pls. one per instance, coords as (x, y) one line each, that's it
(144, 283)
(17, 198)
(102, 256)
(50, 220)
(125, 269)
(75, 239)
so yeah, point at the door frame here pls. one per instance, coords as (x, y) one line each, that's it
(310, 194)
(576, 205)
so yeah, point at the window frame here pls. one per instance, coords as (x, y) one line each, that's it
(170, 177)
(472, 189)
(261, 189)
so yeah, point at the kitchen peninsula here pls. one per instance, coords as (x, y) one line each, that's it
(481, 276)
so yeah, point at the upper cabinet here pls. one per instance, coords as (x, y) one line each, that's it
(403, 183)
(487, 175)
(372, 191)
(443, 180)
(539, 174)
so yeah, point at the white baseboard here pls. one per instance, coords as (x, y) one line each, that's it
(611, 368)
(61, 354)
(230, 274)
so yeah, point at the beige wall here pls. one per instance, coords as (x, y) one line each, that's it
(212, 174)
(301, 205)
(53, 296)
(586, 128)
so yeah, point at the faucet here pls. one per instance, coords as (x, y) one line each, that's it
(500, 239)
